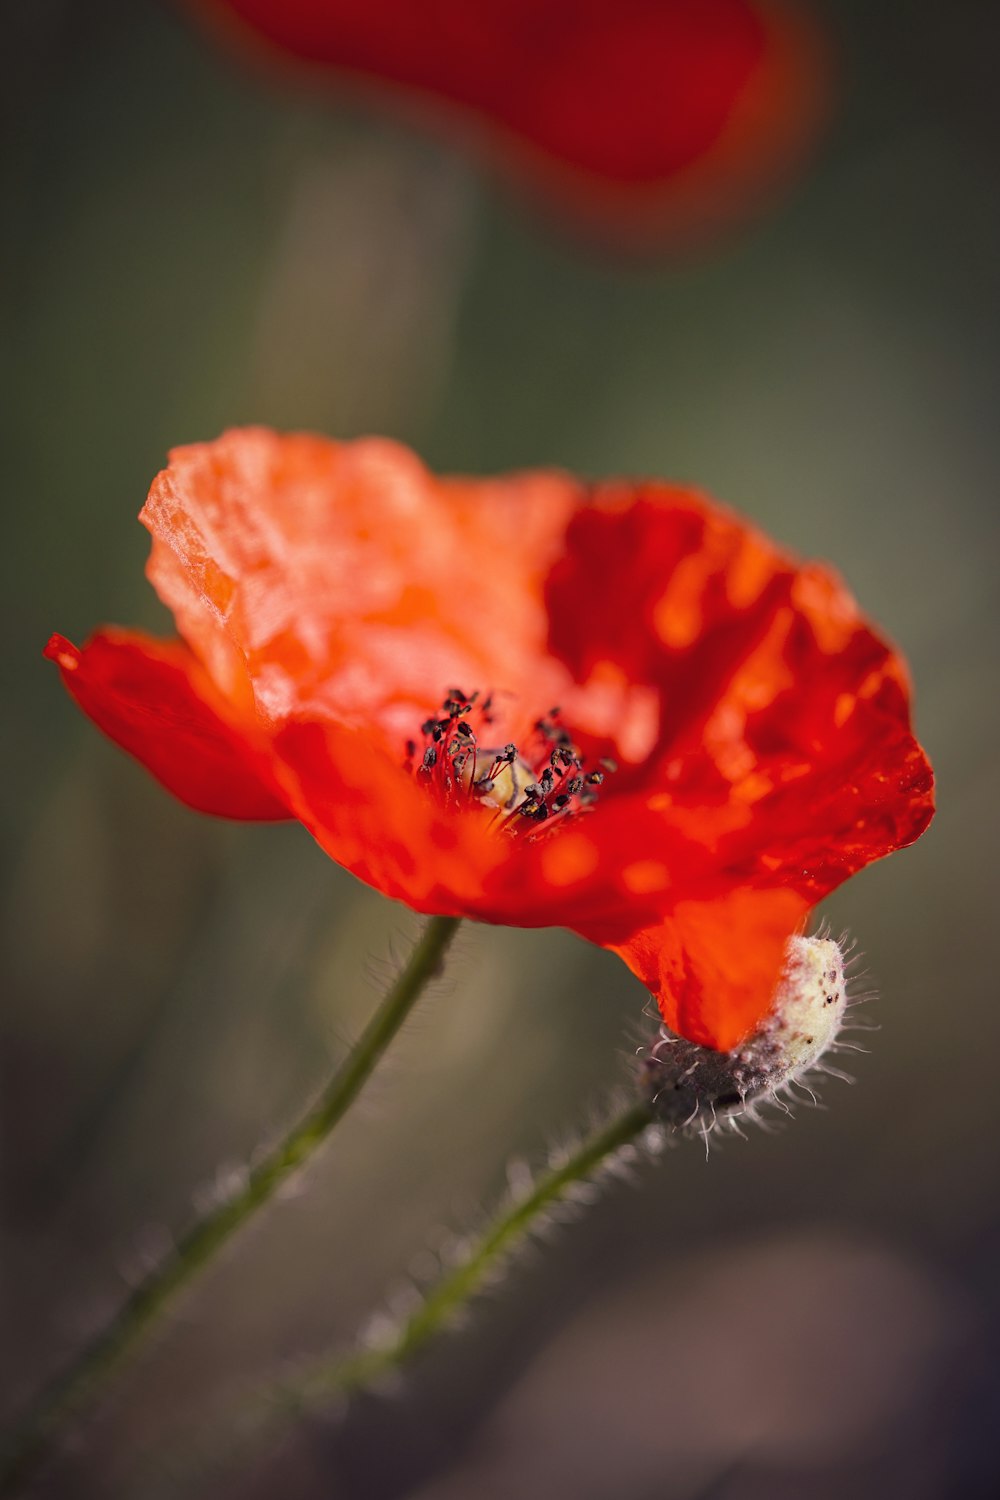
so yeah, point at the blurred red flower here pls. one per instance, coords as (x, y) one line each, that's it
(658, 120)
(619, 710)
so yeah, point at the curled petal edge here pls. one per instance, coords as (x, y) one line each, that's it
(155, 700)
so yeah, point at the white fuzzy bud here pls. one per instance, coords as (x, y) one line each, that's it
(694, 1087)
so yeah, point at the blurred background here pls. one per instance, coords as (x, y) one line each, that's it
(810, 1313)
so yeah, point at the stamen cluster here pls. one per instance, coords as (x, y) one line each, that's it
(542, 783)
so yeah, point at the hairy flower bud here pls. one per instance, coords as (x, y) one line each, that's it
(694, 1088)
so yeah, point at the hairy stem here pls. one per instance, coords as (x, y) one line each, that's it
(198, 1246)
(459, 1285)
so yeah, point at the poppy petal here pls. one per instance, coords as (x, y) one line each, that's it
(783, 741)
(654, 119)
(372, 817)
(155, 700)
(713, 964)
(343, 582)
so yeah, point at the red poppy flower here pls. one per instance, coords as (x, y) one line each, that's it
(654, 118)
(619, 710)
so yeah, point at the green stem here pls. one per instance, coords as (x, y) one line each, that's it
(226, 1437)
(203, 1239)
(458, 1286)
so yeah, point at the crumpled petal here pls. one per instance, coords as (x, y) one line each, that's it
(155, 700)
(343, 582)
(657, 120)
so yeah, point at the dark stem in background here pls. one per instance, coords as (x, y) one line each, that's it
(203, 1239)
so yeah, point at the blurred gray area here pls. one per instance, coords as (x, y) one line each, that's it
(810, 1313)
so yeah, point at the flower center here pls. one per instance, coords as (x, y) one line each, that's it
(530, 789)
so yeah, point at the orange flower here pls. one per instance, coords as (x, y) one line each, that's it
(655, 119)
(619, 710)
